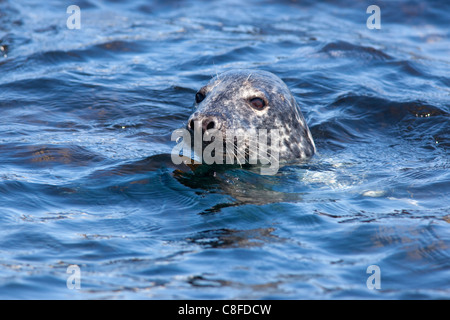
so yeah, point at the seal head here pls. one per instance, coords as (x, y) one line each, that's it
(252, 100)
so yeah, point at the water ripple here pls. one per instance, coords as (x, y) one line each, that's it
(86, 176)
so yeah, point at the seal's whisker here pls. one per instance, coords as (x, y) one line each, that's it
(264, 157)
(270, 156)
(236, 155)
(262, 154)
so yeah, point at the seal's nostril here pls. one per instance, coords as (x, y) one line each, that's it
(205, 122)
(210, 125)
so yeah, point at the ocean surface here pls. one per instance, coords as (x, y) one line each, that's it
(86, 178)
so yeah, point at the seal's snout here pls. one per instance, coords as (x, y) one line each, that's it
(206, 122)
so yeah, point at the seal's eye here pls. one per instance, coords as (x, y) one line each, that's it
(199, 97)
(257, 103)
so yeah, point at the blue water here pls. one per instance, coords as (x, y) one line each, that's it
(86, 177)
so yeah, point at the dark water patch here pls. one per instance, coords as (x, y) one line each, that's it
(365, 117)
(119, 47)
(54, 58)
(128, 169)
(224, 238)
(42, 86)
(343, 49)
(49, 155)
(407, 67)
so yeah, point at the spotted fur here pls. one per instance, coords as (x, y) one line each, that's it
(226, 99)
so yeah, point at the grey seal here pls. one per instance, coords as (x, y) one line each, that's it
(253, 99)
